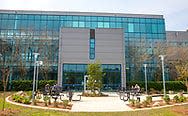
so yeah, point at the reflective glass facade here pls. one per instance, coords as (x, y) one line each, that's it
(28, 32)
(73, 75)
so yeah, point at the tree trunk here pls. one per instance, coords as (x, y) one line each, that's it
(186, 85)
(4, 99)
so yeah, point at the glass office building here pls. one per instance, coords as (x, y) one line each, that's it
(24, 32)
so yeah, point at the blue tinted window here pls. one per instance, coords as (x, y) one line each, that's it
(106, 19)
(69, 18)
(67, 23)
(81, 24)
(88, 24)
(118, 19)
(148, 28)
(142, 28)
(94, 18)
(142, 20)
(119, 25)
(93, 24)
(63, 18)
(100, 24)
(112, 19)
(136, 20)
(106, 25)
(75, 17)
(87, 18)
(130, 19)
(112, 25)
(130, 27)
(136, 27)
(82, 18)
(72, 67)
(92, 44)
(161, 28)
(100, 18)
(75, 24)
(154, 28)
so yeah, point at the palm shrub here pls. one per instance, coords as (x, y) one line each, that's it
(166, 98)
(149, 99)
(176, 98)
(21, 98)
(65, 103)
(182, 98)
(132, 102)
(145, 103)
(46, 98)
(137, 104)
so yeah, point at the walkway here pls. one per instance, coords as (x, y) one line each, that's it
(111, 103)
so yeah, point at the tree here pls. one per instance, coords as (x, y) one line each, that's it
(139, 53)
(5, 71)
(180, 60)
(95, 73)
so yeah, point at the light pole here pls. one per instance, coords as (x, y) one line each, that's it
(162, 59)
(33, 92)
(38, 63)
(146, 86)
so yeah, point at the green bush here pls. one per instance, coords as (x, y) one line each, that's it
(46, 98)
(26, 85)
(149, 99)
(158, 86)
(137, 104)
(26, 100)
(65, 103)
(176, 98)
(182, 98)
(21, 97)
(145, 103)
(132, 102)
(166, 98)
(22, 85)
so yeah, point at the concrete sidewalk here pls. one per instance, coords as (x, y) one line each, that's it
(112, 103)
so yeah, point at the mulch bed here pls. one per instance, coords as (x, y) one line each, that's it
(161, 103)
(42, 104)
(60, 105)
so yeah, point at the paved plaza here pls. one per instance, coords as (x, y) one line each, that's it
(100, 104)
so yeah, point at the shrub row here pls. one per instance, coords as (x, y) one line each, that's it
(26, 85)
(170, 85)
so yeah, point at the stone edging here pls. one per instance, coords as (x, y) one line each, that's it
(38, 107)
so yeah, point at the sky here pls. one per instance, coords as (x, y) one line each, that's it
(175, 12)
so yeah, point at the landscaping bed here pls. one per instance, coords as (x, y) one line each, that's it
(25, 98)
(148, 103)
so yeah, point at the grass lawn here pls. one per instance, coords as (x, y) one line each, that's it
(23, 111)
